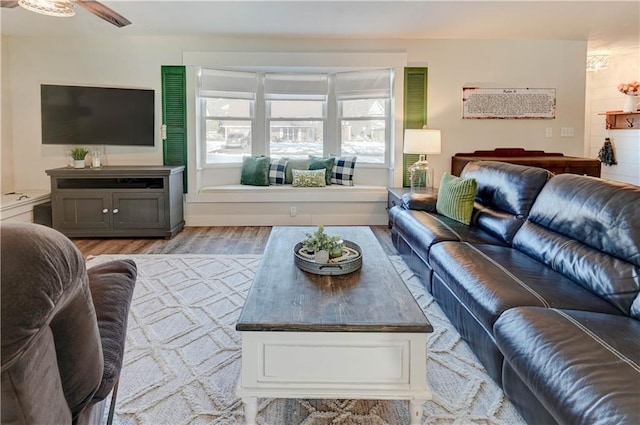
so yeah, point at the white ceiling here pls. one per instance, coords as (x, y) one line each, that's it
(605, 24)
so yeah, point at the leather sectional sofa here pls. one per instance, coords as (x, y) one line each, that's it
(543, 285)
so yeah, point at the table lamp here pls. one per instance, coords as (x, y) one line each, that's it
(423, 141)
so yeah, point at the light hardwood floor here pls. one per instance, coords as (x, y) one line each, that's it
(202, 240)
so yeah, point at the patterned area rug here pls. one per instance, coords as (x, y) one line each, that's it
(182, 359)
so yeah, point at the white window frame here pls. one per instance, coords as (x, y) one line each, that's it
(324, 120)
(387, 128)
(203, 126)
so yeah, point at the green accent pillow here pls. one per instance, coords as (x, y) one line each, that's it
(456, 197)
(317, 163)
(298, 164)
(309, 178)
(255, 170)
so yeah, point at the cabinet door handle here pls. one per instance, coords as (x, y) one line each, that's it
(104, 211)
(115, 211)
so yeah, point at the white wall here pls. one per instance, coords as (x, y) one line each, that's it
(136, 61)
(603, 95)
(6, 145)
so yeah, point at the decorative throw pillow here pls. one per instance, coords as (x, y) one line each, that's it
(297, 164)
(456, 197)
(309, 178)
(342, 172)
(277, 169)
(317, 163)
(255, 171)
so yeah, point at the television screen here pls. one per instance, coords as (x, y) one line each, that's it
(77, 115)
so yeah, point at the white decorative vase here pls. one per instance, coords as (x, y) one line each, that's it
(630, 104)
(78, 163)
(321, 256)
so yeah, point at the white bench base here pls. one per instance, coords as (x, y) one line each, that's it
(239, 205)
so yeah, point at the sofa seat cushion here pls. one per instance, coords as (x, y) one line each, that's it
(583, 367)
(111, 287)
(611, 278)
(421, 230)
(490, 279)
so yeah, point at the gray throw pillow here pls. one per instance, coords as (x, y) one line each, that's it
(298, 164)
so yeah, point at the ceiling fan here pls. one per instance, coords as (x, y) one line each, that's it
(65, 8)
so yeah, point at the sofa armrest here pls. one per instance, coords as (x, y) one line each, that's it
(419, 201)
(112, 287)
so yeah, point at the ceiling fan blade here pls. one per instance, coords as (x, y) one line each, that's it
(10, 4)
(102, 11)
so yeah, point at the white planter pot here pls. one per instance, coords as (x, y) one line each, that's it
(78, 163)
(630, 103)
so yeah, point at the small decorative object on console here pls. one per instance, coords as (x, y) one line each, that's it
(78, 155)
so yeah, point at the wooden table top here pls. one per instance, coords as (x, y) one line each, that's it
(372, 299)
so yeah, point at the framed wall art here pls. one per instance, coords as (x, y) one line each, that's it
(508, 103)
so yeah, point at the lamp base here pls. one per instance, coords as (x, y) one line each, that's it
(421, 176)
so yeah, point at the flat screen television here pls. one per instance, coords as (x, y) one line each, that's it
(81, 115)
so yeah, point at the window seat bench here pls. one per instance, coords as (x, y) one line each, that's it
(242, 205)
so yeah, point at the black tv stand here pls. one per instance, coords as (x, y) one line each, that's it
(118, 201)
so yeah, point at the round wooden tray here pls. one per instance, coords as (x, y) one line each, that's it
(348, 263)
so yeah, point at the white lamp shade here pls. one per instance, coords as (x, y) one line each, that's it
(423, 141)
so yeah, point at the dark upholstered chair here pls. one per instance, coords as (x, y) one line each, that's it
(63, 328)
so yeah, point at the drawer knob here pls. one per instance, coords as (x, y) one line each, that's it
(115, 211)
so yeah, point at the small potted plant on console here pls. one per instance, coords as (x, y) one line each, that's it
(78, 155)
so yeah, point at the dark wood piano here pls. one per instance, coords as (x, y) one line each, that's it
(557, 163)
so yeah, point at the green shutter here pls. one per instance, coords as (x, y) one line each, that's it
(415, 110)
(174, 116)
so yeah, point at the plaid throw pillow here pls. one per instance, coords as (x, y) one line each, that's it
(343, 169)
(276, 170)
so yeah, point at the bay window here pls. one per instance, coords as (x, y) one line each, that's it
(295, 115)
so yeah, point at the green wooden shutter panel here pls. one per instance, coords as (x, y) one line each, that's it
(415, 110)
(174, 116)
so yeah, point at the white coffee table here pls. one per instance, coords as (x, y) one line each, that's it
(360, 335)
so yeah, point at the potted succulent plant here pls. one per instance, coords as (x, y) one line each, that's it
(78, 155)
(322, 245)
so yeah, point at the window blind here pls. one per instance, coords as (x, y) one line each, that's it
(369, 84)
(232, 84)
(296, 86)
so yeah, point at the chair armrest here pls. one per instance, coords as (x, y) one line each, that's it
(419, 201)
(112, 287)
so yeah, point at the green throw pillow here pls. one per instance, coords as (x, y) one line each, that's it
(298, 164)
(317, 163)
(309, 178)
(456, 197)
(255, 170)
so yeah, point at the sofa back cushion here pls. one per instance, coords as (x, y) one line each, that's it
(45, 291)
(588, 229)
(505, 193)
